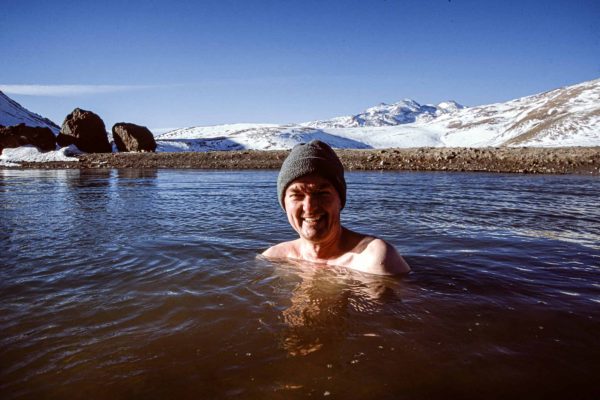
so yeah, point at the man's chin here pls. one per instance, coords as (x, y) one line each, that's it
(313, 235)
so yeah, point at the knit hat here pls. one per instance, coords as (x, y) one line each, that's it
(314, 157)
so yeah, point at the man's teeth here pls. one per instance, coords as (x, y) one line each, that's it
(313, 219)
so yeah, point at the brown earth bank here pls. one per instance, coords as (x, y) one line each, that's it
(563, 160)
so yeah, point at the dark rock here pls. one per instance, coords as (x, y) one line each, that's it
(22, 135)
(85, 130)
(131, 137)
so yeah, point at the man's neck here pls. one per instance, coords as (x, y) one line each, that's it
(326, 250)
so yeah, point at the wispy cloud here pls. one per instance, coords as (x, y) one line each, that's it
(69, 90)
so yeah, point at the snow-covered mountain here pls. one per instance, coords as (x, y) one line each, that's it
(248, 136)
(569, 116)
(12, 113)
(403, 112)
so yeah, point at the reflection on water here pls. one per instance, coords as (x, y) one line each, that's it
(147, 284)
(323, 302)
(146, 175)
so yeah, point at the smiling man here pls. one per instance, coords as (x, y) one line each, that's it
(312, 191)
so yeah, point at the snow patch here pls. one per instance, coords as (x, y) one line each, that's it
(12, 156)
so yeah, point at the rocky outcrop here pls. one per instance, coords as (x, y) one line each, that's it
(131, 137)
(22, 135)
(85, 130)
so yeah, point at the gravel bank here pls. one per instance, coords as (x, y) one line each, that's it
(565, 160)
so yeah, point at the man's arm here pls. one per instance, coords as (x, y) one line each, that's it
(381, 258)
(272, 252)
(281, 250)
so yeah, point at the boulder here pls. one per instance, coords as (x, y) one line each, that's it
(132, 137)
(85, 130)
(22, 135)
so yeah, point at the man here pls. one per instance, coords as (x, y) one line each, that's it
(312, 192)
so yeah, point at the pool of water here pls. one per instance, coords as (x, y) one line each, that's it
(140, 284)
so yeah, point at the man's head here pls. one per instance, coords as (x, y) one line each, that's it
(313, 158)
(313, 207)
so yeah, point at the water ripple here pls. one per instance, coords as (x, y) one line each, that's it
(137, 284)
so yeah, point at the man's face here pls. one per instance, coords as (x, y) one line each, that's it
(313, 208)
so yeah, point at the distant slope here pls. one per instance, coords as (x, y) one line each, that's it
(249, 136)
(403, 112)
(12, 113)
(568, 116)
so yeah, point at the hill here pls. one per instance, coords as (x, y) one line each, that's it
(568, 116)
(12, 113)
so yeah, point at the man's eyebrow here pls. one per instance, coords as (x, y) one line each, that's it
(311, 187)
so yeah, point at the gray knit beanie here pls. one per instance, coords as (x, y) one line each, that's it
(314, 157)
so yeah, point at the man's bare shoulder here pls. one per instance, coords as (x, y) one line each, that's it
(282, 250)
(366, 254)
(376, 256)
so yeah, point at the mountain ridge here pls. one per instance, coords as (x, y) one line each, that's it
(12, 113)
(383, 114)
(567, 116)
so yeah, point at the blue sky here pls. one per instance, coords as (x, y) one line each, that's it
(186, 63)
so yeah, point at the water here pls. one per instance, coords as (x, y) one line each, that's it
(140, 284)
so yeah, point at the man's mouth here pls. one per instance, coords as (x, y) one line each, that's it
(312, 219)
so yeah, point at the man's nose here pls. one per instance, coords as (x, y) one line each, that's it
(310, 203)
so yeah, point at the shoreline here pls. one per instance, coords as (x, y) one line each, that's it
(538, 160)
